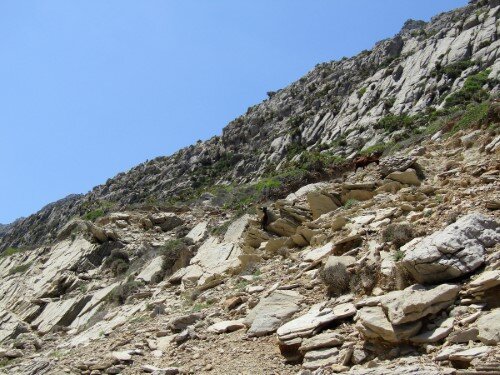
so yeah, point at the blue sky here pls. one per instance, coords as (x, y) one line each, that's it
(90, 88)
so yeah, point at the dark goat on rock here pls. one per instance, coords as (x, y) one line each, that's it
(363, 161)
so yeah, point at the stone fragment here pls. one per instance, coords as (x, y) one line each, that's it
(453, 252)
(416, 302)
(320, 204)
(318, 253)
(396, 163)
(443, 329)
(489, 327)
(153, 268)
(272, 311)
(180, 323)
(226, 326)
(166, 220)
(373, 324)
(408, 177)
(317, 317)
(321, 358)
(323, 340)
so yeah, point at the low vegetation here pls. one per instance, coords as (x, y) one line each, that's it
(120, 293)
(22, 268)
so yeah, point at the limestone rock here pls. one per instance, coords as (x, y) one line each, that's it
(166, 220)
(272, 311)
(373, 324)
(318, 316)
(323, 340)
(226, 326)
(396, 163)
(443, 329)
(455, 251)
(320, 204)
(60, 313)
(153, 268)
(180, 323)
(408, 177)
(416, 302)
(321, 358)
(489, 327)
(199, 232)
(318, 253)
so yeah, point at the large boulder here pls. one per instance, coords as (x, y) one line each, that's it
(272, 311)
(417, 301)
(396, 163)
(489, 327)
(320, 203)
(166, 220)
(374, 325)
(452, 252)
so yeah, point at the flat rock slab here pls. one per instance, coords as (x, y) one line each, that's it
(469, 354)
(318, 253)
(408, 177)
(151, 270)
(321, 358)
(489, 327)
(323, 340)
(60, 313)
(440, 332)
(455, 251)
(318, 316)
(180, 323)
(374, 325)
(416, 302)
(226, 326)
(272, 311)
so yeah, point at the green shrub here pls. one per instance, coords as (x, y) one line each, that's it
(361, 92)
(11, 251)
(455, 70)
(472, 90)
(351, 203)
(295, 121)
(20, 269)
(452, 71)
(118, 262)
(474, 115)
(96, 209)
(398, 255)
(94, 215)
(379, 147)
(391, 123)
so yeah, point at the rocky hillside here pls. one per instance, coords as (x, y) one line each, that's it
(391, 268)
(379, 98)
(348, 224)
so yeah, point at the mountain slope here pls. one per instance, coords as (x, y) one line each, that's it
(336, 109)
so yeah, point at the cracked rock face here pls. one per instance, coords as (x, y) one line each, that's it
(453, 252)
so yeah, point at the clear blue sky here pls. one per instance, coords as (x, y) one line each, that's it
(90, 88)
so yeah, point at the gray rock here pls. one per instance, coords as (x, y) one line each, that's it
(272, 311)
(455, 251)
(374, 325)
(489, 327)
(320, 203)
(416, 302)
(396, 163)
(180, 323)
(318, 316)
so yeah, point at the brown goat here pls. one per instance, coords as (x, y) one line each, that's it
(363, 161)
